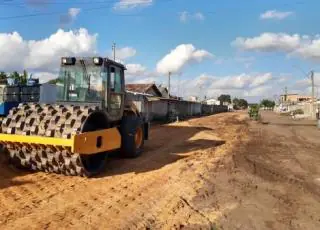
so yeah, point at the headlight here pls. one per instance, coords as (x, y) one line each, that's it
(68, 60)
(97, 60)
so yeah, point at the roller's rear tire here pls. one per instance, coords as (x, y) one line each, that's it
(132, 136)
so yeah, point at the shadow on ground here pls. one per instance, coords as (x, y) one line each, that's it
(167, 144)
(8, 174)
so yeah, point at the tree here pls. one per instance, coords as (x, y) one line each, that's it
(235, 101)
(267, 103)
(55, 81)
(24, 77)
(243, 104)
(240, 103)
(15, 76)
(3, 75)
(224, 98)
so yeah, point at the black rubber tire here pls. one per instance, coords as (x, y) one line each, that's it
(96, 163)
(128, 129)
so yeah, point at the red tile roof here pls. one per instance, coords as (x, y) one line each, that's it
(139, 88)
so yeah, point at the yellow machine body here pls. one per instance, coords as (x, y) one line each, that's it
(84, 143)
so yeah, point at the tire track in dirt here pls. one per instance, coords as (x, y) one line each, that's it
(21, 200)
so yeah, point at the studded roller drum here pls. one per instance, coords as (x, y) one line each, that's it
(61, 121)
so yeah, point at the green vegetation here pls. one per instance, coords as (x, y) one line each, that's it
(21, 78)
(240, 103)
(254, 112)
(54, 81)
(267, 103)
(3, 75)
(224, 98)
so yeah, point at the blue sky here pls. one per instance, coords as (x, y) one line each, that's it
(156, 28)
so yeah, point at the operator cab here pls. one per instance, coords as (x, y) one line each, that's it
(92, 80)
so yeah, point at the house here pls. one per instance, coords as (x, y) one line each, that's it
(293, 98)
(149, 89)
(212, 101)
(193, 98)
(153, 104)
(164, 91)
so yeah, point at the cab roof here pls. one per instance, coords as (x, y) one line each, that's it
(108, 61)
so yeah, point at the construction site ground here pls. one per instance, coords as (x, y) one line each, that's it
(217, 172)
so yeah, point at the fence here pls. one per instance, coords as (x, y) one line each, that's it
(163, 109)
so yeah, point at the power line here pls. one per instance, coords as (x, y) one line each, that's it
(75, 3)
(60, 3)
(60, 12)
(83, 10)
(301, 70)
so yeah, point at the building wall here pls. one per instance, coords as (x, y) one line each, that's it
(158, 109)
(294, 98)
(161, 110)
(196, 109)
(213, 102)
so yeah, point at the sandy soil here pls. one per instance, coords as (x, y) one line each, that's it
(216, 172)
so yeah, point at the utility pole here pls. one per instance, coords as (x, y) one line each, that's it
(312, 85)
(169, 84)
(285, 94)
(114, 51)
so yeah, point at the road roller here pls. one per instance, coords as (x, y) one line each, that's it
(92, 116)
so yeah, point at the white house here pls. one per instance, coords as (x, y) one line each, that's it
(213, 102)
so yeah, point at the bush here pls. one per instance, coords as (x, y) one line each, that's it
(298, 111)
(254, 112)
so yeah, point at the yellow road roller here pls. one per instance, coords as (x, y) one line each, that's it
(91, 117)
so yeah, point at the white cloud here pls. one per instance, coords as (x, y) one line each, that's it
(45, 76)
(73, 12)
(242, 85)
(261, 79)
(130, 4)
(137, 73)
(199, 16)
(8, 43)
(125, 53)
(185, 16)
(180, 57)
(135, 69)
(274, 14)
(306, 82)
(268, 42)
(261, 91)
(44, 55)
(70, 16)
(310, 49)
(294, 45)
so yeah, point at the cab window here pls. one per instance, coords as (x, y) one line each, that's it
(115, 80)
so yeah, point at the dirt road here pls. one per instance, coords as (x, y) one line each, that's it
(213, 172)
